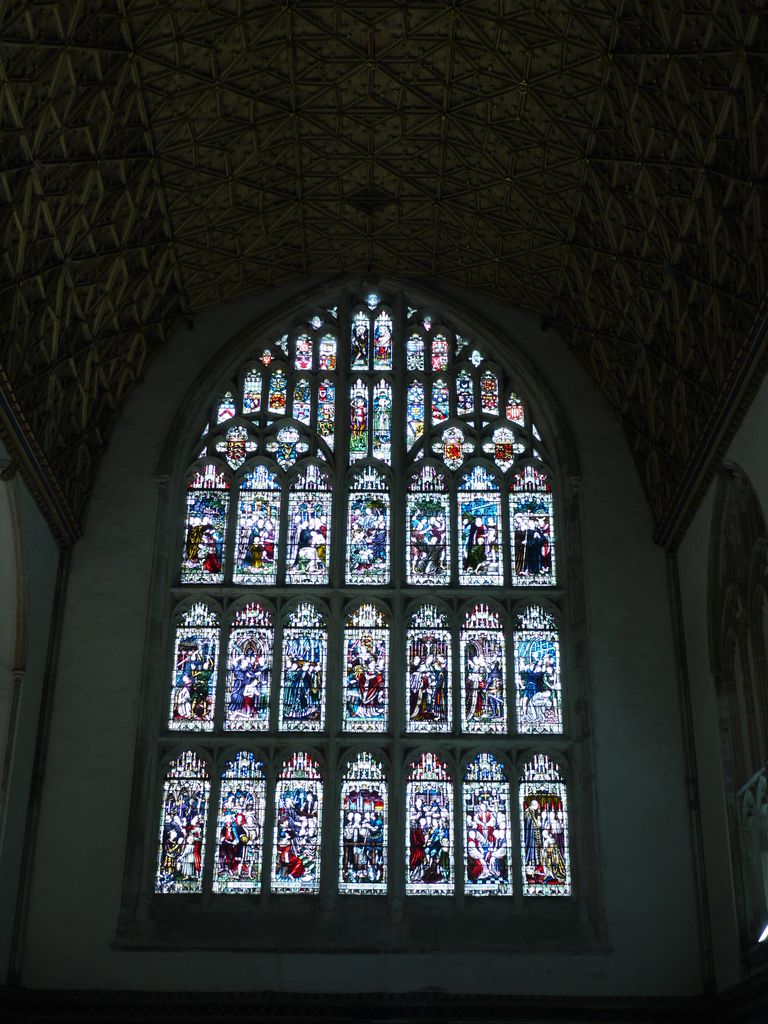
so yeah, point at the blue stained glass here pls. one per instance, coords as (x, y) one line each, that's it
(429, 671)
(483, 693)
(287, 446)
(544, 829)
(532, 517)
(309, 526)
(303, 360)
(196, 656)
(327, 352)
(249, 670)
(428, 521)
(537, 670)
(206, 527)
(181, 849)
(302, 401)
(252, 393)
(382, 421)
(298, 823)
(363, 828)
(278, 393)
(489, 393)
(414, 350)
(429, 829)
(240, 826)
(358, 420)
(302, 694)
(414, 428)
(366, 680)
(361, 341)
(440, 400)
(326, 410)
(465, 393)
(382, 342)
(258, 525)
(480, 522)
(368, 529)
(487, 828)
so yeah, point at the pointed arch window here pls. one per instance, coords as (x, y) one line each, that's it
(429, 835)
(181, 848)
(305, 653)
(363, 828)
(544, 816)
(258, 527)
(488, 828)
(366, 671)
(196, 656)
(368, 529)
(249, 670)
(240, 826)
(206, 526)
(298, 822)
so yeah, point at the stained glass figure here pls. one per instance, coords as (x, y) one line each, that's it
(298, 822)
(202, 557)
(249, 670)
(196, 655)
(453, 447)
(302, 401)
(414, 426)
(487, 828)
(515, 410)
(481, 538)
(483, 690)
(532, 517)
(537, 672)
(363, 828)
(382, 421)
(440, 400)
(181, 848)
(236, 447)
(287, 446)
(368, 529)
(327, 352)
(302, 693)
(439, 351)
(309, 526)
(382, 342)
(252, 393)
(358, 420)
(429, 671)
(414, 351)
(429, 829)
(326, 410)
(428, 523)
(366, 679)
(240, 826)
(503, 447)
(278, 393)
(489, 393)
(361, 341)
(465, 393)
(226, 408)
(544, 829)
(258, 527)
(303, 358)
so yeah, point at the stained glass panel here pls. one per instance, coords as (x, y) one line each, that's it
(298, 821)
(361, 342)
(240, 826)
(196, 655)
(236, 446)
(440, 400)
(453, 447)
(363, 828)
(366, 680)
(278, 393)
(414, 427)
(327, 352)
(537, 670)
(483, 693)
(439, 352)
(429, 824)
(414, 351)
(258, 525)
(226, 408)
(532, 517)
(465, 393)
(358, 420)
(382, 421)
(202, 559)
(382, 342)
(249, 670)
(544, 821)
(302, 693)
(503, 448)
(303, 359)
(252, 393)
(489, 393)
(326, 410)
(480, 523)
(515, 410)
(302, 401)
(429, 671)
(182, 825)
(368, 529)
(487, 828)
(287, 446)
(309, 525)
(428, 522)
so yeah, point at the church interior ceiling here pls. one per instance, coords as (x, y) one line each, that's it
(601, 164)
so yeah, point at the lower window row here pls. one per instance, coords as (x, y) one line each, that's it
(240, 845)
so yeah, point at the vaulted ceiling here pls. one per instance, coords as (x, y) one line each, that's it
(600, 163)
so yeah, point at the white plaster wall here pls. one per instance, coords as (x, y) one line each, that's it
(645, 850)
(747, 450)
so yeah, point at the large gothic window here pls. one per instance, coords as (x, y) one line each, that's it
(366, 623)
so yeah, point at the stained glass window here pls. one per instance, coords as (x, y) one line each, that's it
(429, 671)
(504, 447)
(302, 690)
(252, 393)
(258, 527)
(202, 559)
(240, 826)
(298, 820)
(428, 523)
(361, 341)
(481, 537)
(382, 421)
(382, 342)
(326, 410)
(366, 670)
(532, 518)
(368, 529)
(414, 424)
(414, 351)
(303, 357)
(465, 393)
(487, 828)
(515, 411)
(483, 691)
(544, 829)
(236, 446)
(226, 408)
(489, 393)
(537, 672)
(440, 400)
(278, 393)
(287, 446)
(196, 655)
(453, 447)
(439, 352)
(302, 400)
(359, 420)
(249, 669)
(327, 352)
(429, 829)
(363, 828)
(309, 519)
(181, 847)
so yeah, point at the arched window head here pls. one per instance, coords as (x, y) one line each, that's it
(544, 818)
(203, 555)
(537, 672)
(181, 849)
(363, 828)
(303, 686)
(249, 670)
(195, 665)
(366, 671)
